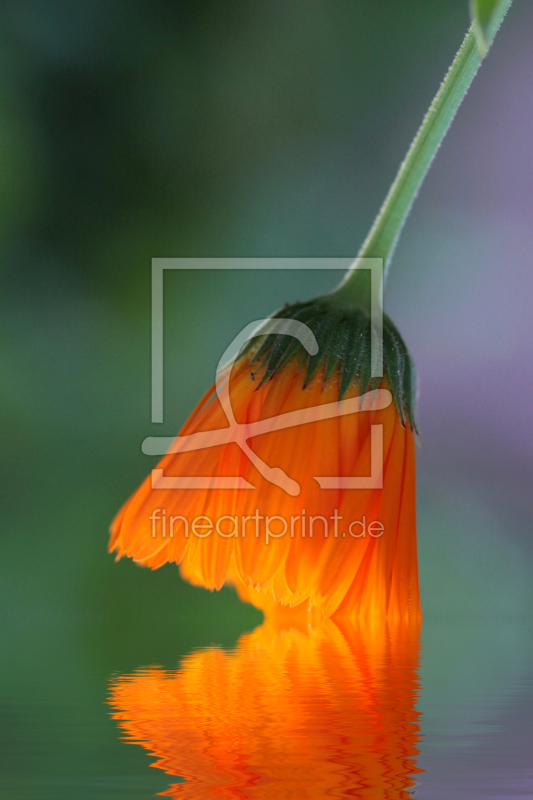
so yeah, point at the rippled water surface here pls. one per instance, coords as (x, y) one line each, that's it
(289, 712)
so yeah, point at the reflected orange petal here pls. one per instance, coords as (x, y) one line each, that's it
(293, 712)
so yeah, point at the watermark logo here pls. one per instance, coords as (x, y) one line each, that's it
(239, 433)
(264, 526)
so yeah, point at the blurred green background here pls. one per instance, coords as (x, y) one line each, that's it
(130, 130)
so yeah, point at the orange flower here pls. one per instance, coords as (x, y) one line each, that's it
(294, 531)
(325, 713)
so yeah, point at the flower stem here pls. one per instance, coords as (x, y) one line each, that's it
(386, 230)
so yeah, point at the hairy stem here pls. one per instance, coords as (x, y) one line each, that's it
(386, 230)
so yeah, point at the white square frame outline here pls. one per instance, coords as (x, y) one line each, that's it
(159, 265)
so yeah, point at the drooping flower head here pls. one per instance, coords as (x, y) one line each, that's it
(294, 478)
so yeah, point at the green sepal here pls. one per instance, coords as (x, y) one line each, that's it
(343, 331)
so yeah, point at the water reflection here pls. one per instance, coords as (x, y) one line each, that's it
(299, 712)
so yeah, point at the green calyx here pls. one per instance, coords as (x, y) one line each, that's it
(344, 334)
